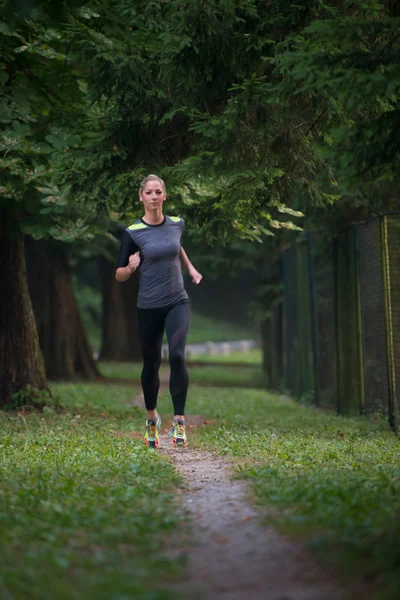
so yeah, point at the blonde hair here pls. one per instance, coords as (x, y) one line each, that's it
(151, 177)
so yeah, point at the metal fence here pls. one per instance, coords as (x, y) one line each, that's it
(334, 335)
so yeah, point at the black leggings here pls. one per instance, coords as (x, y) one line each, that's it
(151, 323)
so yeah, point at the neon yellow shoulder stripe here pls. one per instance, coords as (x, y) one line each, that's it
(175, 219)
(136, 226)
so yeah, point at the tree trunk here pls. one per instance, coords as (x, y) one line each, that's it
(21, 361)
(66, 350)
(120, 340)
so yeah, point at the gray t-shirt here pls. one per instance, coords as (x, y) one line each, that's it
(161, 282)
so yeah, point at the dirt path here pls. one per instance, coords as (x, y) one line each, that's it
(233, 555)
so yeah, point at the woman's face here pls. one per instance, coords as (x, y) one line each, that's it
(153, 195)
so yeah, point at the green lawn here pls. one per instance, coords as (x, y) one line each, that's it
(127, 371)
(252, 357)
(207, 329)
(84, 507)
(228, 375)
(250, 375)
(86, 510)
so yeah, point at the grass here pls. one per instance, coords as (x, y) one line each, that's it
(250, 375)
(207, 329)
(127, 371)
(84, 506)
(333, 480)
(252, 357)
(227, 375)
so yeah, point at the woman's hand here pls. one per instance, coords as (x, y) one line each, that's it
(134, 262)
(195, 275)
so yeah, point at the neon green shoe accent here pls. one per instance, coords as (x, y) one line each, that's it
(151, 434)
(178, 431)
(137, 226)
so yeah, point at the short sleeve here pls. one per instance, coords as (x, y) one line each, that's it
(127, 248)
(182, 225)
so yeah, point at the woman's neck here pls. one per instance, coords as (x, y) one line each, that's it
(155, 217)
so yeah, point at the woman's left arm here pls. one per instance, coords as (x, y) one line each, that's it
(194, 274)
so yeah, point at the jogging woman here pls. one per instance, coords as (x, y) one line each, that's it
(153, 245)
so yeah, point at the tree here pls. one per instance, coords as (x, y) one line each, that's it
(351, 65)
(232, 101)
(63, 339)
(37, 86)
(120, 340)
(21, 361)
(179, 87)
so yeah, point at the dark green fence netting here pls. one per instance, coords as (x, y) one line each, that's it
(373, 318)
(336, 335)
(348, 319)
(305, 325)
(299, 363)
(323, 284)
(290, 318)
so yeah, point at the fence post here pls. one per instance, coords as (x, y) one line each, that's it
(388, 321)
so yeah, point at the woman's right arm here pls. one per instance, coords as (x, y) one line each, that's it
(123, 273)
(128, 259)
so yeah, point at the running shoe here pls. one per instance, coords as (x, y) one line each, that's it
(178, 433)
(151, 434)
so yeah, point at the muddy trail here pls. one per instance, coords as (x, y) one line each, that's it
(230, 552)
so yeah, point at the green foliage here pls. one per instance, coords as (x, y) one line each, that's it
(81, 495)
(252, 111)
(30, 397)
(37, 86)
(185, 103)
(351, 65)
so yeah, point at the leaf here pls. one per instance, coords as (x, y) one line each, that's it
(22, 49)
(3, 76)
(87, 13)
(56, 142)
(275, 224)
(47, 190)
(290, 225)
(4, 28)
(290, 211)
